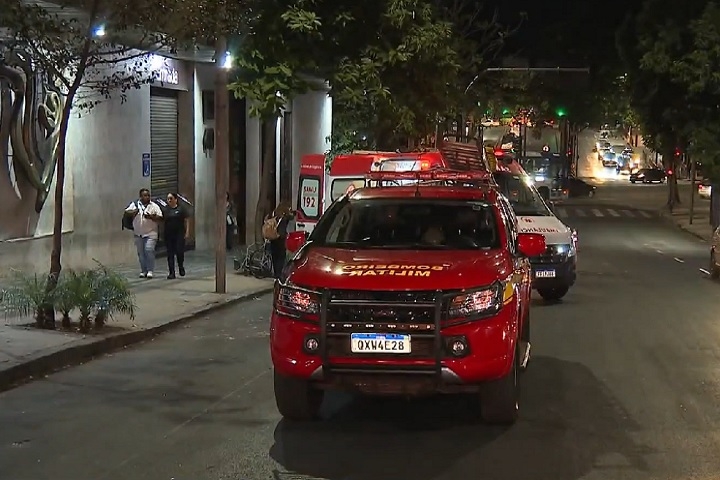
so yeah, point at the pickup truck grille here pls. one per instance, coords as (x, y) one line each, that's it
(550, 256)
(350, 306)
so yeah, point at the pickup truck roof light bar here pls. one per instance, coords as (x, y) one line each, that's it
(428, 175)
(461, 179)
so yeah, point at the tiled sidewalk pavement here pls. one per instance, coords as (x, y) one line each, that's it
(26, 352)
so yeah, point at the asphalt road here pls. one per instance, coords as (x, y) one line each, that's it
(624, 384)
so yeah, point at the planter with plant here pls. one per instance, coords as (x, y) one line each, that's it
(27, 296)
(114, 295)
(65, 300)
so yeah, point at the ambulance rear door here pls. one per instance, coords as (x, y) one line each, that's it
(310, 192)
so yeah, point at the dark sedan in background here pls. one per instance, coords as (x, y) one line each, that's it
(648, 175)
(578, 188)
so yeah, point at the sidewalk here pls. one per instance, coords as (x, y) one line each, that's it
(27, 352)
(700, 226)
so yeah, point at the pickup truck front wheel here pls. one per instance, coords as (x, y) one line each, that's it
(296, 398)
(499, 399)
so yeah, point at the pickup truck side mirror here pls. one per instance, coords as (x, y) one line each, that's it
(531, 244)
(295, 241)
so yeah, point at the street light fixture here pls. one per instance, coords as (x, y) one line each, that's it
(227, 62)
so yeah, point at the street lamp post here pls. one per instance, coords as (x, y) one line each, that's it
(222, 162)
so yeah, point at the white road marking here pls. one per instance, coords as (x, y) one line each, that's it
(597, 212)
(644, 214)
(660, 252)
(581, 213)
(627, 213)
(561, 212)
(613, 212)
(679, 260)
(704, 271)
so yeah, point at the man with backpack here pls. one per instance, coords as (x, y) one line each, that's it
(142, 217)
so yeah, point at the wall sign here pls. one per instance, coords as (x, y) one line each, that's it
(167, 74)
(146, 166)
(165, 71)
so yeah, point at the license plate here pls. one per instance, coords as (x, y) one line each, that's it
(379, 343)
(545, 274)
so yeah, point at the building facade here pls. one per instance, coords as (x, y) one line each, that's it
(160, 137)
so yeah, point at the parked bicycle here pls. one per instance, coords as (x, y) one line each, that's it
(258, 261)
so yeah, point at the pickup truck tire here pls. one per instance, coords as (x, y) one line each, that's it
(296, 398)
(553, 294)
(499, 399)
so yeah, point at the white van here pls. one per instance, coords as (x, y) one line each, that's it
(554, 272)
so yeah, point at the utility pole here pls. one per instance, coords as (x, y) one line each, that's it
(692, 187)
(222, 163)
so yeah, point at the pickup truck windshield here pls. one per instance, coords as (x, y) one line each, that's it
(525, 200)
(408, 223)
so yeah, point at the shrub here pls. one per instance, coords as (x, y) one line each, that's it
(97, 294)
(27, 296)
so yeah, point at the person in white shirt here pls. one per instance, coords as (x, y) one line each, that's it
(146, 215)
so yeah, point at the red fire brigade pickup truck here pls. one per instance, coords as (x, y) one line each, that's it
(406, 290)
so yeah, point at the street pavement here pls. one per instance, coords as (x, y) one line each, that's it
(624, 384)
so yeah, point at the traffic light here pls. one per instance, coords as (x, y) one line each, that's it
(506, 111)
(560, 112)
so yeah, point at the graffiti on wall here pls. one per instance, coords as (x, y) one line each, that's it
(30, 111)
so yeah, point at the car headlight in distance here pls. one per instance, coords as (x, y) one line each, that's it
(485, 301)
(297, 301)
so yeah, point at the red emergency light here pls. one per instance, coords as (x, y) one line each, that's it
(429, 175)
(498, 153)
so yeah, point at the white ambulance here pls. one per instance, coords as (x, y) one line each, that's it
(554, 272)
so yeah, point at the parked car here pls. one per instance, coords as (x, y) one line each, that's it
(704, 190)
(579, 188)
(648, 175)
(714, 267)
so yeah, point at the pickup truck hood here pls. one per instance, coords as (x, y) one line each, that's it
(370, 269)
(554, 230)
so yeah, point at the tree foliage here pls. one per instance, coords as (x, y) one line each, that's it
(662, 45)
(392, 65)
(690, 58)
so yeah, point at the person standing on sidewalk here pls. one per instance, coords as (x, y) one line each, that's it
(146, 215)
(275, 230)
(231, 221)
(176, 231)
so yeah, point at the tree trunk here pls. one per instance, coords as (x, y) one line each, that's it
(264, 204)
(55, 255)
(670, 162)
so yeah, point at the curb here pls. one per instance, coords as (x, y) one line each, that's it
(668, 218)
(76, 355)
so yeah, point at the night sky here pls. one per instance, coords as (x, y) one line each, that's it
(564, 33)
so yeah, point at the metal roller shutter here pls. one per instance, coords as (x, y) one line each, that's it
(163, 142)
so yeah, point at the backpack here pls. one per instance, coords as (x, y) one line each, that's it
(270, 229)
(127, 222)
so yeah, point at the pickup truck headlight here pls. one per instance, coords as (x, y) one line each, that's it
(297, 301)
(481, 302)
